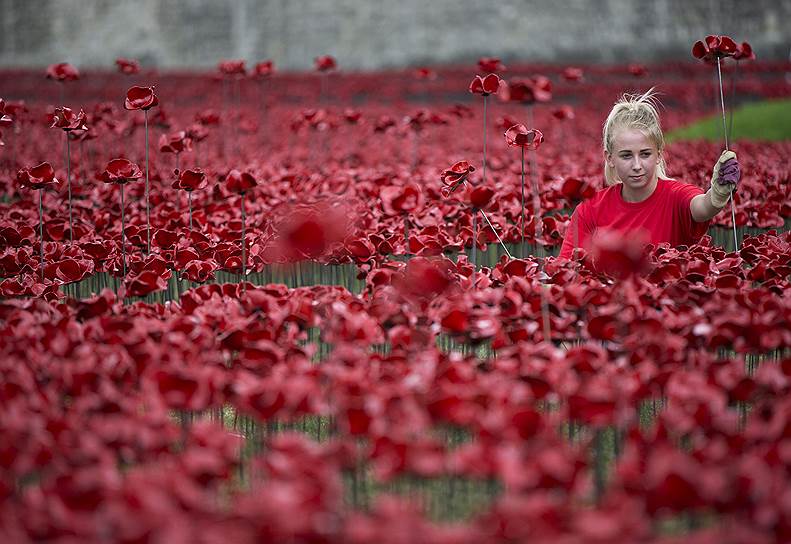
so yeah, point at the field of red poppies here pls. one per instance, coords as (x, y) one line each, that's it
(311, 312)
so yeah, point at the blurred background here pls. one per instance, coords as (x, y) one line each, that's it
(367, 35)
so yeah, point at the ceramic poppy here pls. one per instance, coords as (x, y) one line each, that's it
(486, 85)
(120, 171)
(190, 180)
(520, 136)
(140, 98)
(127, 66)
(239, 182)
(37, 177)
(325, 63)
(62, 71)
(66, 119)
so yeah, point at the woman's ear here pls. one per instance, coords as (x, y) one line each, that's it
(608, 159)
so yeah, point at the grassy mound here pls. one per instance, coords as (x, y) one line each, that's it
(770, 120)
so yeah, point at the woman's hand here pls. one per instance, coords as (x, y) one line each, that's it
(724, 178)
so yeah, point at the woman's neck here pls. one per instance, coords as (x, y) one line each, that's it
(632, 195)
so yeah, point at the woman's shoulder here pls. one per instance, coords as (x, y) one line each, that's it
(603, 200)
(680, 188)
(603, 195)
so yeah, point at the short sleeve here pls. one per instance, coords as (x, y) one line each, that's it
(691, 231)
(581, 225)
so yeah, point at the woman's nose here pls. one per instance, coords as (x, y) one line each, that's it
(635, 164)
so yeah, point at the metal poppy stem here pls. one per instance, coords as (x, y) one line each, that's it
(323, 88)
(237, 100)
(574, 222)
(406, 235)
(123, 233)
(41, 232)
(244, 256)
(722, 105)
(727, 147)
(732, 100)
(68, 183)
(522, 226)
(474, 238)
(483, 213)
(537, 226)
(484, 140)
(189, 201)
(262, 92)
(148, 212)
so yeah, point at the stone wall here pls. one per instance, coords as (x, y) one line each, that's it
(368, 34)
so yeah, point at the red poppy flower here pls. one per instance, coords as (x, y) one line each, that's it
(713, 47)
(361, 249)
(197, 132)
(529, 90)
(576, 189)
(239, 182)
(520, 136)
(478, 197)
(15, 108)
(424, 73)
(64, 118)
(461, 111)
(5, 120)
(232, 67)
(190, 180)
(563, 112)
(62, 71)
(176, 142)
(264, 68)
(637, 70)
(384, 123)
(744, 51)
(572, 74)
(127, 66)
(618, 255)
(485, 85)
(94, 306)
(140, 98)
(199, 271)
(144, 283)
(424, 278)
(352, 116)
(38, 177)
(165, 239)
(208, 117)
(310, 232)
(120, 171)
(69, 270)
(490, 64)
(325, 63)
(456, 174)
(401, 199)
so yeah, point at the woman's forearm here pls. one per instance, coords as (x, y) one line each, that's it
(702, 209)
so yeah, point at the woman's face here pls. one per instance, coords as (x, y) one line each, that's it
(634, 158)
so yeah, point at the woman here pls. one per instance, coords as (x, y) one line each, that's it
(640, 200)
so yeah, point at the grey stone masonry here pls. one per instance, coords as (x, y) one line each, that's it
(371, 34)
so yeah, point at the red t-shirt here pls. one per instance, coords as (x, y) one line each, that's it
(663, 217)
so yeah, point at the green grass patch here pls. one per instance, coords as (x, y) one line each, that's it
(770, 120)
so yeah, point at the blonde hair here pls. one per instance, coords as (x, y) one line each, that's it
(634, 111)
